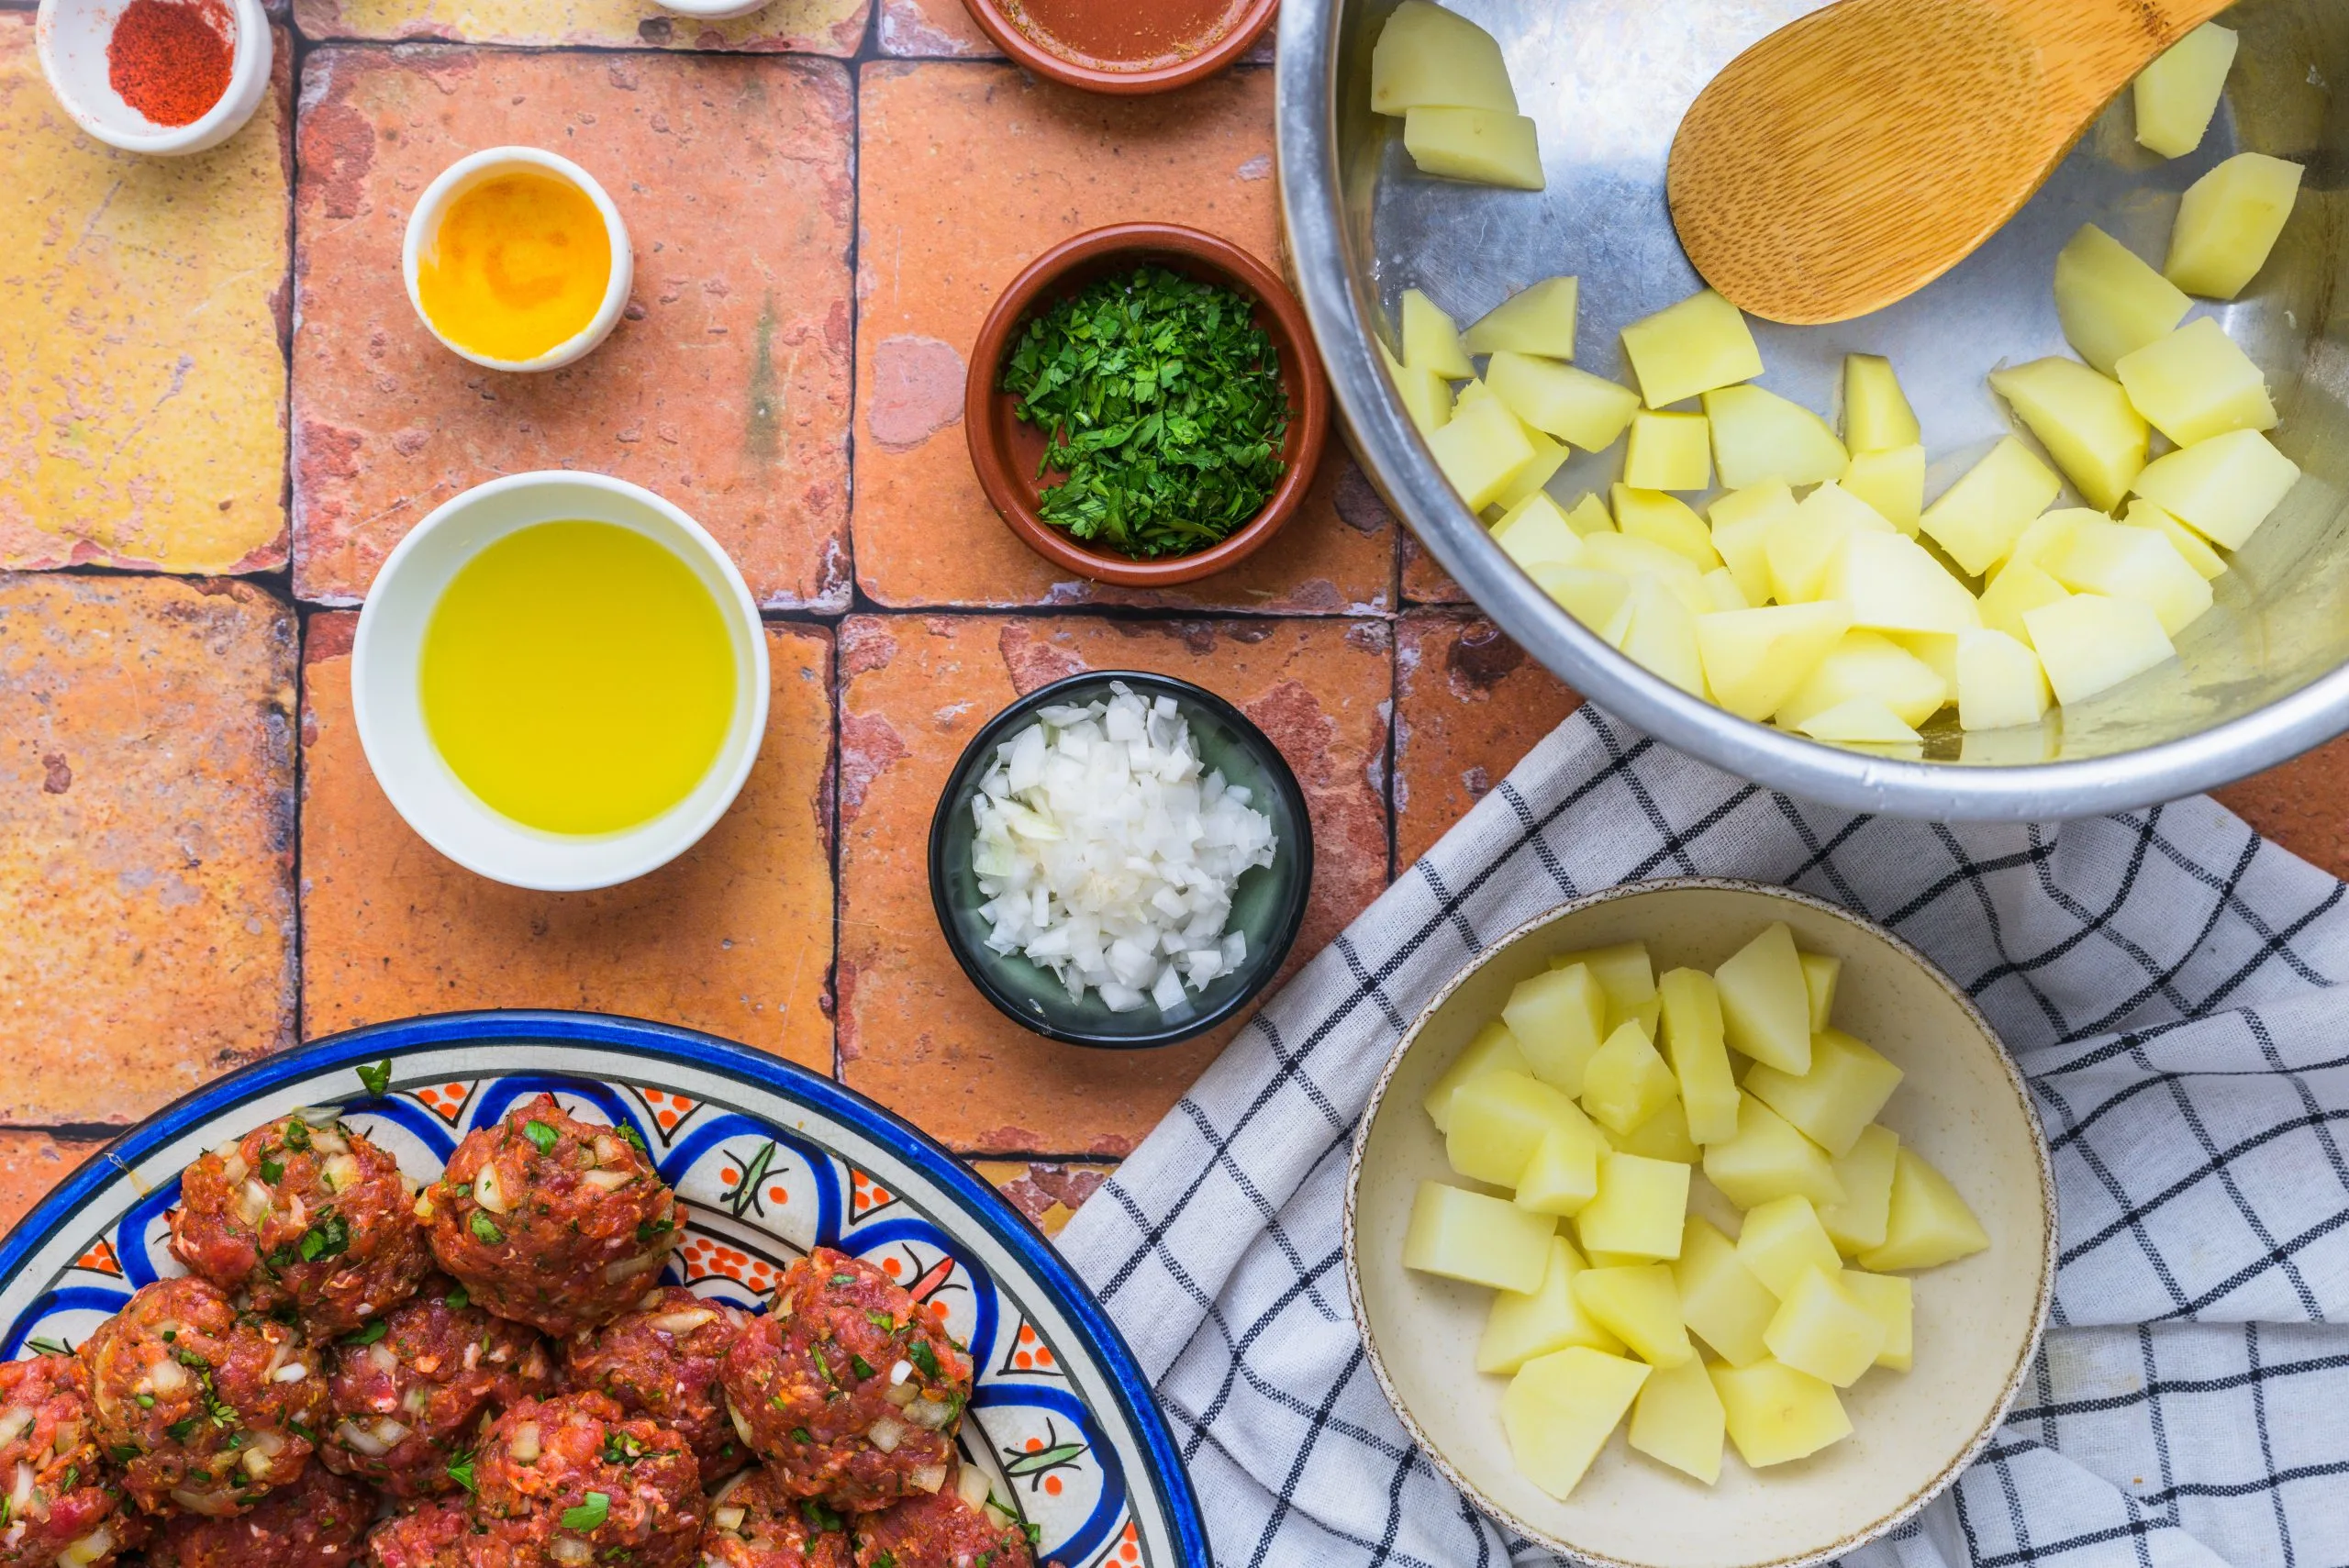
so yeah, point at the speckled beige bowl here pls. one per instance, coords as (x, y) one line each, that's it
(1963, 1105)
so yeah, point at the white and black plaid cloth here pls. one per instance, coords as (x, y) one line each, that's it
(2163, 977)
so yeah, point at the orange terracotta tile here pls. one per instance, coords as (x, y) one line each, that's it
(1469, 704)
(725, 388)
(146, 840)
(32, 1163)
(809, 26)
(1051, 163)
(1049, 1195)
(913, 1032)
(734, 936)
(1424, 581)
(2303, 805)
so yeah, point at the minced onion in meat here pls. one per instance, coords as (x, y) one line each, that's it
(1109, 854)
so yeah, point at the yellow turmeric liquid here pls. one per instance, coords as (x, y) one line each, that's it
(517, 266)
(578, 677)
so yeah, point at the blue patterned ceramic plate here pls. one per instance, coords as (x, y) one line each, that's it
(771, 1159)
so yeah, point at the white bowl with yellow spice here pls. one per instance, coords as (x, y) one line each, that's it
(517, 260)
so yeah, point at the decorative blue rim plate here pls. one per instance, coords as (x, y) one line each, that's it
(771, 1159)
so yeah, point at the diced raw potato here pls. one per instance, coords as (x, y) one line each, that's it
(1572, 404)
(1638, 1211)
(1847, 1084)
(1662, 519)
(1823, 1329)
(1563, 1177)
(1856, 1224)
(1754, 659)
(1484, 1241)
(2085, 422)
(1819, 973)
(1431, 341)
(2197, 383)
(2131, 563)
(1775, 1414)
(1557, 1017)
(2228, 222)
(1498, 1120)
(2018, 589)
(1482, 147)
(1664, 1135)
(1935, 651)
(1626, 1083)
(1720, 587)
(1978, 518)
(1783, 1237)
(1999, 682)
(1589, 516)
(1869, 664)
(1691, 348)
(1694, 1042)
(1617, 1260)
(1538, 320)
(1535, 533)
(1876, 416)
(1601, 600)
(1929, 1223)
(2177, 94)
(1625, 977)
(1560, 1409)
(1861, 721)
(1422, 393)
(1645, 558)
(1890, 1299)
(2048, 533)
(1426, 54)
(1741, 522)
(1481, 450)
(2222, 488)
(1893, 482)
(1893, 584)
(1639, 1305)
(1492, 1049)
(1520, 1326)
(2208, 564)
(1802, 546)
(1678, 1421)
(1549, 456)
(2090, 642)
(1765, 1007)
(1720, 1301)
(1669, 452)
(2111, 300)
(1768, 1160)
(1759, 436)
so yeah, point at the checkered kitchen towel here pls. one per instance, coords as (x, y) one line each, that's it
(2164, 978)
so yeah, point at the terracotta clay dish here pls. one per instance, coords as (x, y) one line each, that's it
(1131, 47)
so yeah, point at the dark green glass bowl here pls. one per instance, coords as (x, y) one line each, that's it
(1268, 905)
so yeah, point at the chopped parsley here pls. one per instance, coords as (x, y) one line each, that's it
(859, 1365)
(802, 1435)
(460, 1469)
(823, 1368)
(273, 1171)
(635, 1138)
(328, 1235)
(590, 1514)
(456, 1301)
(622, 1448)
(65, 1482)
(822, 1517)
(887, 1560)
(882, 1321)
(297, 1134)
(484, 1230)
(369, 1334)
(376, 1080)
(651, 1229)
(840, 1280)
(124, 1453)
(541, 1136)
(923, 1357)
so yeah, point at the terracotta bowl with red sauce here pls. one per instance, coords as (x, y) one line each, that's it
(1123, 46)
(1006, 450)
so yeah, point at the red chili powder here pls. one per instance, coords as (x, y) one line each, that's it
(170, 59)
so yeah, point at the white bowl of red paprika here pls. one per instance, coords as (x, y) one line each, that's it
(157, 76)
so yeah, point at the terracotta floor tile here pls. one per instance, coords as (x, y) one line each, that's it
(1048, 1194)
(808, 26)
(734, 936)
(1052, 163)
(1470, 703)
(725, 389)
(146, 840)
(142, 325)
(913, 1032)
(32, 1163)
(2303, 805)
(1425, 582)
(941, 29)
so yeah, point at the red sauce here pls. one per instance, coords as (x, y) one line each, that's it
(1124, 35)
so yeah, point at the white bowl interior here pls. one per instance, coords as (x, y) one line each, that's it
(388, 697)
(72, 37)
(1978, 1320)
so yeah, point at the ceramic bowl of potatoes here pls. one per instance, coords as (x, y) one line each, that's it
(1701, 1224)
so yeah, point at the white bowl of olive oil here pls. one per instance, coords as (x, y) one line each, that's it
(560, 680)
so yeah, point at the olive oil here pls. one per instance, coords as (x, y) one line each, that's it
(578, 677)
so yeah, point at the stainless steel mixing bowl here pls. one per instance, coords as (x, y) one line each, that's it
(2261, 678)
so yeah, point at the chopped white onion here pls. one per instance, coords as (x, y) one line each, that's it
(900, 1372)
(605, 1180)
(487, 1191)
(292, 1372)
(902, 1393)
(741, 1427)
(886, 1433)
(684, 1322)
(610, 1151)
(163, 1377)
(233, 1168)
(729, 1519)
(91, 1547)
(523, 1442)
(218, 1505)
(931, 1415)
(328, 1142)
(341, 1173)
(628, 1268)
(252, 1203)
(12, 1423)
(971, 1486)
(929, 1478)
(570, 1549)
(22, 1494)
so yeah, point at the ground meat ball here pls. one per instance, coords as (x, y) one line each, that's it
(431, 1535)
(755, 1522)
(59, 1497)
(556, 1222)
(661, 1359)
(556, 1473)
(956, 1529)
(412, 1397)
(202, 1407)
(848, 1387)
(316, 1218)
(320, 1522)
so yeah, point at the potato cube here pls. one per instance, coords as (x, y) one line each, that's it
(1560, 1409)
(1521, 1326)
(1664, 1135)
(2085, 422)
(1869, 664)
(1894, 584)
(1481, 450)
(1856, 1224)
(2131, 563)
(1563, 1177)
(1484, 146)
(1876, 416)
(1802, 547)
(1892, 483)
(2208, 564)
(1775, 1414)
(1601, 600)
(1484, 1241)
(2177, 94)
(1765, 1007)
(1627, 1081)
(2197, 383)
(1625, 977)
(1891, 1300)
(1720, 1301)
(1589, 516)
(1662, 519)
(1759, 436)
(2228, 222)
(1535, 533)
(1431, 343)
(1819, 973)
(1425, 398)
(1861, 721)
(1978, 518)
(1549, 456)
(2089, 643)
(1756, 658)
(1678, 1421)
(1640, 1305)
(2222, 488)
(1929, 1224)
(1821, 1329)
(1644, 558)
(1498, 1120)
(1669, 452)
(1781, 1238)
(1537, 320)
(1693, 1041)
(1767, 1159)
(1741, 522)
(1691, 348)
(1491, 1050)
(1426, 54)
(1720, 587)
(1999, 681)
(1640, 1208)
(1572, 404)
(2111, 300)
(1848, 1083)
(2018, 589)
(1557, 1017)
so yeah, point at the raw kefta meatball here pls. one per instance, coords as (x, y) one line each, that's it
(554, 1222)
(320, 1522)
(202, 1408)
(317, 1218)
(956, 1529)
(755, 1522)
(847, 1386)
(408, 1400)
(660, 1358)
(59, 1499)
(555, 1477)
(433, 1535)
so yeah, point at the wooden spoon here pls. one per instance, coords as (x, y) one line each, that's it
(1853, 157)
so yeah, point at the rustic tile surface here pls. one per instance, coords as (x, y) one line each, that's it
(808, 26)
(32, 1163)
(1468, 704)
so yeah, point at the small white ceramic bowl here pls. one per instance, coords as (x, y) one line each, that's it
(386, 694)
(712, 10)
(72, 37)
(1962, 1106)
(424, 222)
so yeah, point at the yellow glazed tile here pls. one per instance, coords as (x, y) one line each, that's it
(805, 26)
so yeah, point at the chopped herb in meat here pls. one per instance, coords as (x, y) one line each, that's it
(622, 1448)
(822, 1517)
(923, 1357)
(590, 1514)
(634, 1139)
(802, 1435)
(882, 1321)
(456, 1301)
(484, 1230)
(460, 1469)
(651, 1229)
(859, 1365)
(179, 1431)
(297, 1134)
(541, 1136)
(376, 1080)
